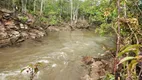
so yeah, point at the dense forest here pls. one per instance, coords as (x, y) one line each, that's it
(33, 19)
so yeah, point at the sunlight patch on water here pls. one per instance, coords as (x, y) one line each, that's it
(43, 61)
(54, 65)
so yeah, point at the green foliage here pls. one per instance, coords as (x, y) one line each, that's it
(128, 48)
(129, 61)
(43, 19)
(104, 29)
(53, 20)
(23, 18)
(93, 10)
(32, 12)
(109, 77)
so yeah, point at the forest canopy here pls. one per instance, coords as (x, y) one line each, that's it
(94, 11)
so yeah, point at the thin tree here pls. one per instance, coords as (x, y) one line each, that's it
(34, 6)
(71, 16)
(41, 7)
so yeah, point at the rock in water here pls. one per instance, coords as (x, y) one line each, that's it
(87, 60)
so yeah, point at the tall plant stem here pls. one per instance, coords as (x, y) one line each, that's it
(117, 40)
(118, 29)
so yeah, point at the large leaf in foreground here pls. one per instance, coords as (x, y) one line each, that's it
(134, 48)
(126, 59)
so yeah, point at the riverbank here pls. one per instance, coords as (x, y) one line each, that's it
(12, 32)
(98, 68)
(16, 28)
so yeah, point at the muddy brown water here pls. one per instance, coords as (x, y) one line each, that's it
(61, 53)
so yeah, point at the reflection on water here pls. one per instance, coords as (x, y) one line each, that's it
(61, 52)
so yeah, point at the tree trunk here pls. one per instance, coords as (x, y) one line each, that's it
(125, 9)
(34, 6)
(41, 7)
(25, 6)
(76, 13)
(71, 4)
(13, 5)
(22, 2)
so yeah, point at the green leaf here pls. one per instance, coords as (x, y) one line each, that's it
(134, 48)
(31, 65)
(109, 77)
(39, 64)
(126, 59)
(134, 65)
(23, 70)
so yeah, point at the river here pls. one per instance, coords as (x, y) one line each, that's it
(61, 53)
